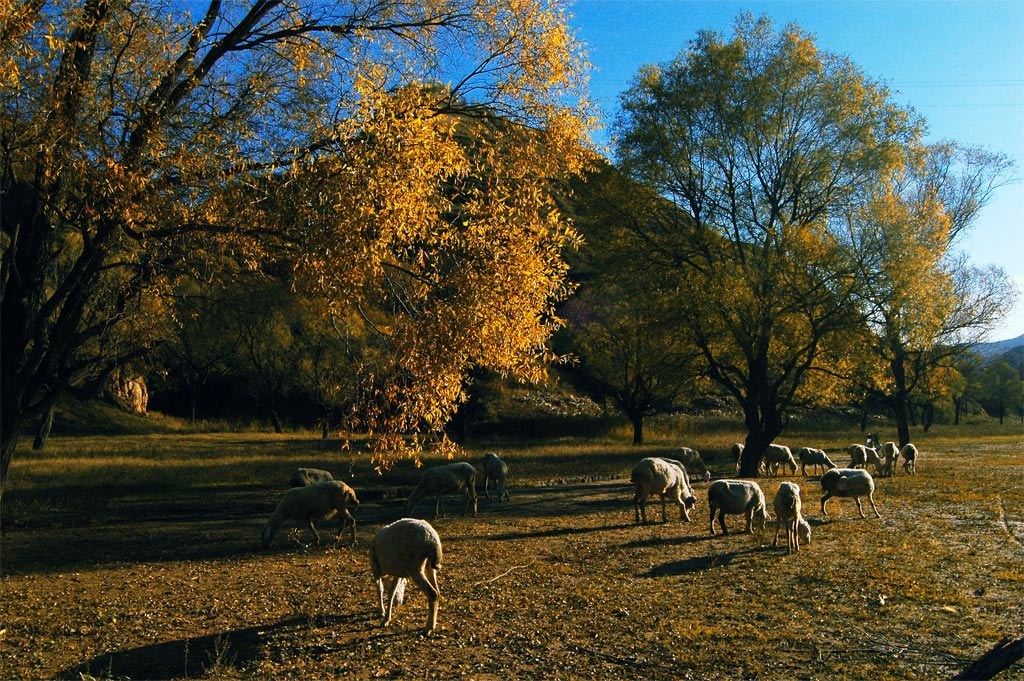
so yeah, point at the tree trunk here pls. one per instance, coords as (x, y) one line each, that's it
(9, 429)
(45, 424)
(764, 424)
(899, 402)
(638, 428)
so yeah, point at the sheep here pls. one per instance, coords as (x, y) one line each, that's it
(779, 455)
(690, 458)
(737, 451)
(890, 454)
(655, 475)
(787, 513)
(862, 455)
(306, 476)
(804, 530)
(407, 549)
(736, 497)
(495, 469)
(814, 458)
(849, 482)
(448, 479)
(318, 501)
(909, 454)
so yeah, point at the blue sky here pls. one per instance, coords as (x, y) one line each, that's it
(959, 64)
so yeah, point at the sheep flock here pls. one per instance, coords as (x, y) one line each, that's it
(410, 549)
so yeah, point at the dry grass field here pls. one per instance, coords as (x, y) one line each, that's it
(143, 563)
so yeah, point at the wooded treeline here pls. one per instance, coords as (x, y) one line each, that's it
(354, 213)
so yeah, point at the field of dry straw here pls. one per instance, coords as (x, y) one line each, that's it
(556, 583)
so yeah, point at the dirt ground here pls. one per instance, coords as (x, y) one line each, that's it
(557, 583)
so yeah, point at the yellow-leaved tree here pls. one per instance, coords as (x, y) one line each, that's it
(392, 156)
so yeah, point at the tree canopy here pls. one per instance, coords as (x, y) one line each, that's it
(391, 157)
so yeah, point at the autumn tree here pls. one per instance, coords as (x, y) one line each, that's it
(354, 142)
(1002, 391)
(924, 303)
(760, 139)
(619, 323)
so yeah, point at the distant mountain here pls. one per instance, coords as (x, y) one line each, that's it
(999, 347)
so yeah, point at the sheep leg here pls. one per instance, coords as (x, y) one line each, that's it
(426, 580)
(778, 526)
(312, 528)
(439, 507)
(470, 500)
(859, 509)
(347, 518)
(487, 492)
(871, 498)
(664, 516)
(828, 495)
(396, 584)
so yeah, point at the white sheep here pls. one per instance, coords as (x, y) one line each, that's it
(889, 454)
(862, 455)
(451, 478)
(804, 529)
(909, 454)
(407, 549)
(809, 456)
(306, 476)
(787, 514)
(849, 482)
(495, 469)
(737, 497)
(301, 506)
(655, 475)
(737, 453)
(690, 458)
(776, 456)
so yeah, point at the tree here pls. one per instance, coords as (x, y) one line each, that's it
(924, 303)
(760, 140)
(1003, 391)
(619, 321)
(140, 145)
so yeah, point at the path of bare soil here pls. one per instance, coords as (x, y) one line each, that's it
(557, 583)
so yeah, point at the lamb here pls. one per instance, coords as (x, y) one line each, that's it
(407, 549)
(690, 458)
(495, 469)
(804, 530)
(779, 455)
(849, 482)
(909, 454)
(862, 455)
(306, 476)
(655, 475)
(814, 458)
(735, 497)
(318, 501)
(448, 479)
(787, 512)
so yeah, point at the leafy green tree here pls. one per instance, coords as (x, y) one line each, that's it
(761, 140)
(1003, 391)
(142, 144)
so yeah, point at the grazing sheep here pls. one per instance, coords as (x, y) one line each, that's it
(655, 475)
(849, 482)
(737, 497)
(448, 479)
(307, 476)
(862, 455)
(776, 456)
(814, 458)
(909, 454)
(495, 469)
(787, 514)
(690, 458)
(318, 501)
(804, 529)
(889, 454)
(407, 549)
(737, 452)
